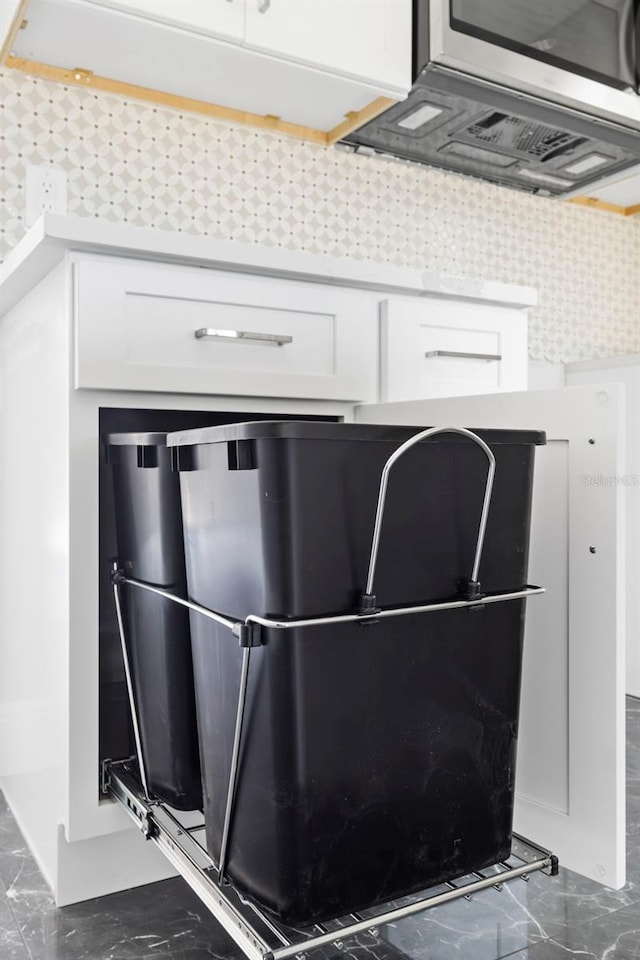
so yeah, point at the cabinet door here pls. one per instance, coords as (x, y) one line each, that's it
(446, 348)
(627, 373)
(570, 768)
(371, 41)
(222, 18)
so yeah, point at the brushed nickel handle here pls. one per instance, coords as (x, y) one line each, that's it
(462, 355)
(206, 333)
(263, 5)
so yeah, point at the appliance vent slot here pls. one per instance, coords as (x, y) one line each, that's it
(513, 133)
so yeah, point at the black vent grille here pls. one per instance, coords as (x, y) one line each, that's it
(513, 133)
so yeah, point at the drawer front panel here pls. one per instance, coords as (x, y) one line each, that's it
(220, 335)
(439, 348)
(152, 327)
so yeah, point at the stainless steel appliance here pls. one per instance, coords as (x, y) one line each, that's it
(542, 96)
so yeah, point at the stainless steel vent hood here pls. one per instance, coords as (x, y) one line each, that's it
(533, 132)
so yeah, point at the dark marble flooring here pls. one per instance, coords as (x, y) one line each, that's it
(544, 919)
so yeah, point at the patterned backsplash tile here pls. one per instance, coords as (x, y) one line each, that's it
(131, 162)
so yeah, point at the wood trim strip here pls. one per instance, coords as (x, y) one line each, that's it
(356, 118)
(13, 31)
(80, 77)
(596, 204)
(86, 78)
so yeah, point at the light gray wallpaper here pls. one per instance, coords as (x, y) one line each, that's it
(131, 162)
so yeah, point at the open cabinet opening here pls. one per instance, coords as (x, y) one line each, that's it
(116, 741)
(264, 663)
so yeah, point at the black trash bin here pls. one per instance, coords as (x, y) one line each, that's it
(150, 547)
(377, 759)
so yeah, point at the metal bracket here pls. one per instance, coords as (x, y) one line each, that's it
(105, 778)
(249, 634)
(117, 575)
(138, 808)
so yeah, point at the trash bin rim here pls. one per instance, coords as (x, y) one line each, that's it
(156, 439)
(323, 430)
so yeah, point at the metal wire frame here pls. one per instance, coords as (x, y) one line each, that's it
(119, 579)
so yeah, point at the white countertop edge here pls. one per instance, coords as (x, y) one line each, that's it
(48, 240)
(603, 363)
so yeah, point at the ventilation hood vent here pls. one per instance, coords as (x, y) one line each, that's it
(480, 129)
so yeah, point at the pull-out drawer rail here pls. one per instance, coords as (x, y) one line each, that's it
(259, 936)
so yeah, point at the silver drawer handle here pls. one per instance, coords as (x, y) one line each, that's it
(462, 356)
(263, 5)
(206, 333)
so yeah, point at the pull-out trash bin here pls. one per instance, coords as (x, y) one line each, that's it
(377, 758)
(150, 547)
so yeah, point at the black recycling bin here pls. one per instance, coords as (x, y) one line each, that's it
(150, 547)
(376, 758)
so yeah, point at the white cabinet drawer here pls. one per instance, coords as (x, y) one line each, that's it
(442, 348)
(155, 327)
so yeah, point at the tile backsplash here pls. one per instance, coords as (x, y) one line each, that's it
(135, 163)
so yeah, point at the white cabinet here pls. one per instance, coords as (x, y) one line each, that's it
(443, 348)
(313, 70)
(352, 37)
(366, 40)
(148, 326)
(98, 323)
(222, 18)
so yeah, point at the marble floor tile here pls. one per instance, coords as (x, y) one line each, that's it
(14, 853)
(615, 937)
(164, 919)
(12, 946)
